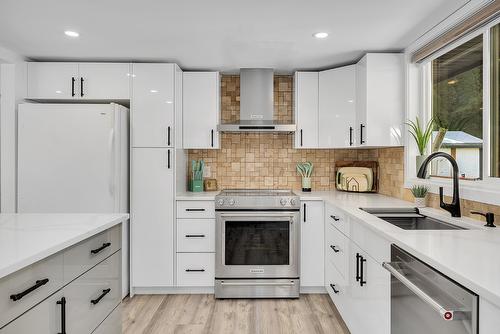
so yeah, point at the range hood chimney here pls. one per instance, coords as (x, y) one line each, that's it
(256, 104)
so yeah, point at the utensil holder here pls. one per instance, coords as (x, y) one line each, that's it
(196, 186)
(306, 184)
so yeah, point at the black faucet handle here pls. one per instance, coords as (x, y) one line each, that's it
(490, 217)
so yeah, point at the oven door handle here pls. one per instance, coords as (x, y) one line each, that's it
(446, 314)
(291, 283)
(253, 215)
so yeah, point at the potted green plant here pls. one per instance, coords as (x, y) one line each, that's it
(305, 170)
(420, 194)
(422, 137)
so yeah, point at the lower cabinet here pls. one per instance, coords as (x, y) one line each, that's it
(312, 240)
(112, 324)
(195, 269)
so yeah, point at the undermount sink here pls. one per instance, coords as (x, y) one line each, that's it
(410, 219)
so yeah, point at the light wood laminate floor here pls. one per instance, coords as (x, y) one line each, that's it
(313, 313)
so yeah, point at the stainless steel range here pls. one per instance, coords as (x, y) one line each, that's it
(257, 244)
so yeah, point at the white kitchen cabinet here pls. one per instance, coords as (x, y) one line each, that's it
(306, 109)
(45, 318)
(370, 294)
(489, 316)
(337, 112)
(380, 98)
(201, 110)
(312, 240)
(153, 102)
(104, 81)
(52, 81)
(152, 217)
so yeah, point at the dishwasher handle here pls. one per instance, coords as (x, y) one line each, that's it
(445, 313)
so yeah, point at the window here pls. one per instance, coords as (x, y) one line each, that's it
(457, 109)
(495, 102)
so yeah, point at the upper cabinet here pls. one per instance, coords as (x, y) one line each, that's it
(78, 81)
(306, 109)
(351, 106)
(154, 104)
(201, 110)
(380, 99)
(337, 112)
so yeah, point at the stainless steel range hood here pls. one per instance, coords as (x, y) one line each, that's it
(256, 104)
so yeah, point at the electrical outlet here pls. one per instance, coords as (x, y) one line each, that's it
(207, 171)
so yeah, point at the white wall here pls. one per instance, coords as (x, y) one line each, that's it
(12, 90)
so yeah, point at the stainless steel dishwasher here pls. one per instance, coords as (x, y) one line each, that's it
(425, 301)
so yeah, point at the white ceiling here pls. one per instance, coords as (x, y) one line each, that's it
(217, 34)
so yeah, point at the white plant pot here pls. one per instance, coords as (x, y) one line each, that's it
(420, 202)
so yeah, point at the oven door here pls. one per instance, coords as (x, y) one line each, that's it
(257, 245)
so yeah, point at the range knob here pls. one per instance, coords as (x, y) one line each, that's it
(231, 201)
(283, 201)
(220, 201)
(293, 202)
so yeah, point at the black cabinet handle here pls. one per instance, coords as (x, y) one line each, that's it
(98, 299)
(168, 159)
(334, 249)
(305, 213)
(73, 86)
(168, 135)
(357, 267)
(97, 250)
(361, 274)
(350, 136)
(301, 138)
(335, 218)
(39, 283)
(195, 236)
(212, 138)
(333, 288)
(194, 270)
(361, 134)
(196, 210)
(81, 87)
(62, 302)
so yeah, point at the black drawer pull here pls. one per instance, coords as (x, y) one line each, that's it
(333, 288)
(104, 245)
(195, 210)
(362, 280)
(195, 236)
(62, 302)
(81, 87)
(335, 218)
(38, 284)
(358, 257)
(98, 299)
(195, 270)
(73, 86)
(334, 249)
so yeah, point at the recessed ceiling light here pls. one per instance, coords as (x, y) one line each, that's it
(71, 33)
(154, 91)
(320, 35)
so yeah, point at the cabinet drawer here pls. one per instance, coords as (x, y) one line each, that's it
(196, 235)
(112, 324)
(83, 256)
(337, 218)
(92, 297)
(334, 280)
(27, 287)
(195, 209)
(195, 269)
(336, 249)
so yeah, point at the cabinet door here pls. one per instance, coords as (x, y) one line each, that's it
(306, 109)
(104, 81)
(312, 239)
(45, 318)
(201, 110)
(153, 105)
(370, 294)
(361, 102)
(152, 217)
(53, 81)
(337, 113)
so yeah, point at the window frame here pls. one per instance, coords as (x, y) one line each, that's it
(486, 190)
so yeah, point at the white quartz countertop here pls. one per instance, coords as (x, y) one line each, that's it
(467, 256)
(28, 238)
(201, 196)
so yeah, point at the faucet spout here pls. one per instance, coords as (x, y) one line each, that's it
(454, 206)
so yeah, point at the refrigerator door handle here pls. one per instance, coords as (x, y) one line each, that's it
(111, 150)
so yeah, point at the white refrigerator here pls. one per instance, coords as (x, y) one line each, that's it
(73, 158)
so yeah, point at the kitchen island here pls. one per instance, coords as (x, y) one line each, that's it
(60, 273)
